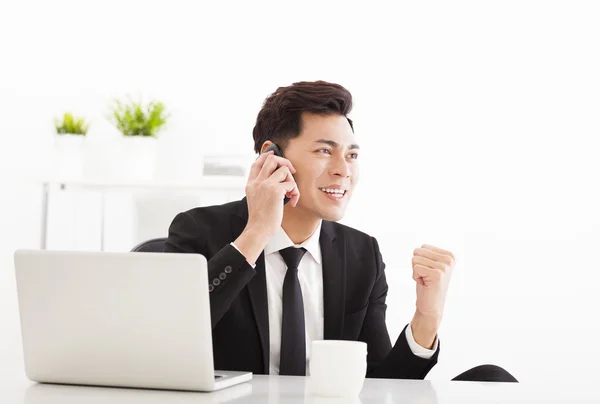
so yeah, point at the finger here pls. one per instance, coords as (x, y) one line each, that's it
(284, 177)
(282, 174)
(281, 161)
(418, 274)
(426, 274)
(295, 197)
(418, 279)
(257, 165)
(426, 262)
(292, 192)
(434, 256)
(268, 167)
(271, 164)
(438, 250)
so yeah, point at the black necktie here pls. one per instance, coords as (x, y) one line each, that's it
(293, 342)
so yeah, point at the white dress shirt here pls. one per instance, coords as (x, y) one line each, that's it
(310, 276)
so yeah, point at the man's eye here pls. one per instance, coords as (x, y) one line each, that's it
(354, 156)
(326, 151)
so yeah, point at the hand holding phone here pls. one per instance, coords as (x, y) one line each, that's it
(277, 151)
(269, 182)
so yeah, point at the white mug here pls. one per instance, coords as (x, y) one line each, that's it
(337, 368)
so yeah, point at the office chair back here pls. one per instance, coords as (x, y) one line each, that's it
(153, 245)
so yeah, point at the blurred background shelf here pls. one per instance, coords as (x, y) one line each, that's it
(158, 201)
(206, 182)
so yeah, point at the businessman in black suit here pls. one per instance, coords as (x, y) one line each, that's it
(282, 276)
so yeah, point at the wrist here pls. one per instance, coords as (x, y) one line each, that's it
(424, 330)
(256, 231)
(251, 244)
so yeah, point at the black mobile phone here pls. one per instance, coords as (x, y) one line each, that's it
(277, 151)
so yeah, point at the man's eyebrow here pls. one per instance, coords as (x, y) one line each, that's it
(335, 144)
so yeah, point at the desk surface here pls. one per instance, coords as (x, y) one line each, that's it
(278, 389)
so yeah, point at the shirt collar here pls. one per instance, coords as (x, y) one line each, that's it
(281, 240)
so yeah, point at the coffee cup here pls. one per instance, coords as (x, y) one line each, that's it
(337, 368)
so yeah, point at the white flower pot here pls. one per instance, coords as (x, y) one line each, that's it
(101, 160)
(138, 158)
(69, 151)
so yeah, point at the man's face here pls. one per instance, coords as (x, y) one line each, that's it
(325, 158)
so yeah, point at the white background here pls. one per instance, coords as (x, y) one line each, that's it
(479, 124)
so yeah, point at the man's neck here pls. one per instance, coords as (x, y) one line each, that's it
(297, 226)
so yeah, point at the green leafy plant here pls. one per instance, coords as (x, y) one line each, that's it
(134, 119)
(71, 125)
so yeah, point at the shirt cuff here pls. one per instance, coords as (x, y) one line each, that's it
(234, 246)
(417, 349)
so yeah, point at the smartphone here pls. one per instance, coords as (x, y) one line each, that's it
(277, 151)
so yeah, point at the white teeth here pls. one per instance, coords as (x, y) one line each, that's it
(335, 192)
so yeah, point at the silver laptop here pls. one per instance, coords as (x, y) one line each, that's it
(118, 319)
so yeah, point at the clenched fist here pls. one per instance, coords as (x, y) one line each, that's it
(432, 269)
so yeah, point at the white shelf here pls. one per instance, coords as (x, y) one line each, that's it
(203, 183)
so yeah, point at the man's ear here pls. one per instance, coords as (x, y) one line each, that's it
(265, 145)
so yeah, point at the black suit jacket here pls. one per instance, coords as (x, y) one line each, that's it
(354, 289)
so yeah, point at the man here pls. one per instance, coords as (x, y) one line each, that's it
(283, 275)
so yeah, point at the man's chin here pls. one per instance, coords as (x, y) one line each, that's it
(333, 215)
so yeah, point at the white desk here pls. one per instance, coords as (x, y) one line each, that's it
(206, 183)
(276, 389)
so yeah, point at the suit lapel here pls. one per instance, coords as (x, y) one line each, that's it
(333, 252)
(257, 290)
(257, 287)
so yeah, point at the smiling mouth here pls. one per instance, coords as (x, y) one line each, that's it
(336, 193)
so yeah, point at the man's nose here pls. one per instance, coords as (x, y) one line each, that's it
(341, 168)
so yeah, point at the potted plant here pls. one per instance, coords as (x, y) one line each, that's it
(69, 142)
(139, 124)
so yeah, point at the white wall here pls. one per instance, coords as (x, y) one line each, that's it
(478, 120)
